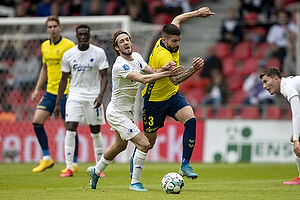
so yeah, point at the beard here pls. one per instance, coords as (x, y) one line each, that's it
(172, 49)
(126, 52)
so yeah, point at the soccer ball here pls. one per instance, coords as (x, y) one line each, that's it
(172, 183)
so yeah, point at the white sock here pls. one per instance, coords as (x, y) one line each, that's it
(297, 161)
(69, 148)
(101, 165)
(47, 158)
(98, 145)
(138, 163)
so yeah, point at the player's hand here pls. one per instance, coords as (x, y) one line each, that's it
(296, 148)
(34, 95)
(168, 66)
(197, 63)
(176, 70)
(205, 12)
(98, 102)
(56, 111)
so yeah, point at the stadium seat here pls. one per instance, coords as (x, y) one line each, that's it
(274, 112)
(250, 18)
(228, 66)
(242, 51)
(225, 113)
(203, 112)
(194, 96)
(234, 81)
(237, 97)
(14, 97)
(162, 18)
(257, 34)
(249, 66)
(222, 50)
(250, 112)
(261, 50)
(110, 7)
(152, 5)
(273, 62)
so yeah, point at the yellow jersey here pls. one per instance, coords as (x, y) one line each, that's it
(162, 89)
(52, 54)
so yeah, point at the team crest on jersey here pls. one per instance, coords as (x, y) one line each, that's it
(126, 67)
(139, 64)
(92, 59)
(130, 130)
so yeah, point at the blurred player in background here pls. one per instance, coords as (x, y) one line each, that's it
(289, 87)
(52, 51)
(85, 63)
(126, 76)
(161, 97)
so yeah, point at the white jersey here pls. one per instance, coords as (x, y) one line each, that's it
(84, 67)
(290, 86)
(123, 89)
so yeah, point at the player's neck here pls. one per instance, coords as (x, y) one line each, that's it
(55, 39)
(127, 57)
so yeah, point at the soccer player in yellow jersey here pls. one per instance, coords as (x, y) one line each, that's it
(161, 97)
(52, 52)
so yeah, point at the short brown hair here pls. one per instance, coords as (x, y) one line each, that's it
(271, 72)
(114, 42)
(52, 18)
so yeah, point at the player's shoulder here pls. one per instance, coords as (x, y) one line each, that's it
(136, 55)
(96, 48)
(71, 50)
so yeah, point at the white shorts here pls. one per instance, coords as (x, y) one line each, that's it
(76, 110)
(122, 122)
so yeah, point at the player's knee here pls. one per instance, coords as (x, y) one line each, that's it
(190, 122)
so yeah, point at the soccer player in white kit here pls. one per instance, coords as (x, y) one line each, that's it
(85, 63)
(126, 75)
(289, 87)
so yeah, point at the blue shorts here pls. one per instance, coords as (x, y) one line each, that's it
(154, 113)
(48, 103)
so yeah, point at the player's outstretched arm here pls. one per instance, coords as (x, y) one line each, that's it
(197, 65)
(203, 12)
(172, 71)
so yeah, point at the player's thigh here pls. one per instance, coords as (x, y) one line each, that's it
(74, 111)
(184, 114)
(40, 116)
(122, 122)
(93, 116)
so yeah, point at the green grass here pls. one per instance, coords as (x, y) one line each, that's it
(216, 181)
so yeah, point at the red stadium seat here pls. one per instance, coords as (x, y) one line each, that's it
(152, 5)
(203, 113)
(250, 112)
(234, 81)
(228, 66)
(250, 18)
(14, 97)
(110, 7)
(261, 50)
(249, 66)
(274, 112)
(225, 113)
(222, 50)
(273, 62)
(162, 18)
(242, 51)
(237, 97)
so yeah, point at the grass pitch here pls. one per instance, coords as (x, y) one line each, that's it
(215, 181)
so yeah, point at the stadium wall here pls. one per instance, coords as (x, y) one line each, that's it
(228, 141)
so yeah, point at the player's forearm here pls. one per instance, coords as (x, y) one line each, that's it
(104, 82)
(61, 89)
(182, 77)
(153, 77)
(42, 79)
(185, 17)
(295, 107)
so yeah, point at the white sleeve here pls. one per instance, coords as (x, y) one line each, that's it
(122, 70)
(64, 66)
(295, 107)
(103, 62)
